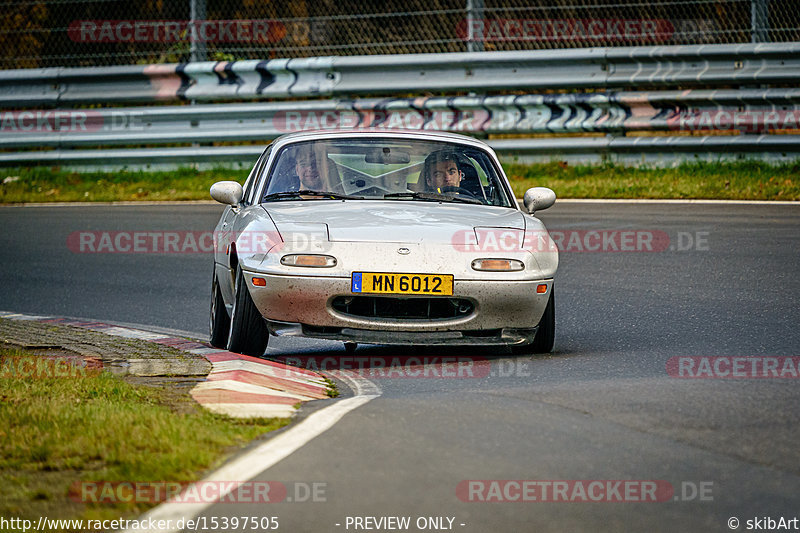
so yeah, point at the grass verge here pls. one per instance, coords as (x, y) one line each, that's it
(748, 180)
(52, 185)
(56, 432)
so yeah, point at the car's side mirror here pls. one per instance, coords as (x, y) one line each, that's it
(538, 198)
(227, 192)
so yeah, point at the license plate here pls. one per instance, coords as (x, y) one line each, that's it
(384, 283)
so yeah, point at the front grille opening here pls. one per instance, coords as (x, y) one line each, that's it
(321, 330)
(483, 333)
(403, 308)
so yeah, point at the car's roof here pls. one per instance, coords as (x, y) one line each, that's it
(423, 135)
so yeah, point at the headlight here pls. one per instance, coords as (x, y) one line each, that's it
(309, 260)
(498, 265)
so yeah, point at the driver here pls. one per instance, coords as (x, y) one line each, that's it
(440, 171)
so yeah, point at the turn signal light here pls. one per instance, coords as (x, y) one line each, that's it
(498, 265)
(541, 288)
(259, 282)
(309, 260)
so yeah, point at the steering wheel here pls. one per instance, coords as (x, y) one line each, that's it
(459, 190)
(371, 191)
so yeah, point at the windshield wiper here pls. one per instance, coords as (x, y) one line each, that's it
(433, 197)
(307, 192)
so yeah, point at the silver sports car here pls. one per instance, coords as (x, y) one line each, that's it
(388, 237)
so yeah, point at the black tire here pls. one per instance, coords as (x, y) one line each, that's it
(546, 335)
(219, 321)
(248, 333)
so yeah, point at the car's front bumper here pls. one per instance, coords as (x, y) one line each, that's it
(504, 312)
(505, 336)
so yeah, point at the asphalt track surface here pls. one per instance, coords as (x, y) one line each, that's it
(602, 407)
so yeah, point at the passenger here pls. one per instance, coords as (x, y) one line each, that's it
(307, 170)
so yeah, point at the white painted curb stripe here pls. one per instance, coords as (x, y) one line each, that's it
(17, 316)
(266, 370)
(250, 465)
(203, 351)
(241, 386)
(129, 333)
(251, 410)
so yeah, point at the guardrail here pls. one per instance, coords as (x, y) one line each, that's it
(623, 150)
(712, 118)
(595, 68)
(692, 111)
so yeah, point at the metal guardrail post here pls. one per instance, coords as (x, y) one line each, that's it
(197, 13)
(474, 14)
(759, 21)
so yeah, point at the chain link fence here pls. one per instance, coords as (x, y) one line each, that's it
(36, 34)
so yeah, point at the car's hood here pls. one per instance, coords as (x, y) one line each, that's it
(389, 221)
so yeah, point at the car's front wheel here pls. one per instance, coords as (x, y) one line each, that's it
(219, 321)
(545, 335)
(248, 332)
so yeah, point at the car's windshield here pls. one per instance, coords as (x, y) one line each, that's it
(385, 168)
